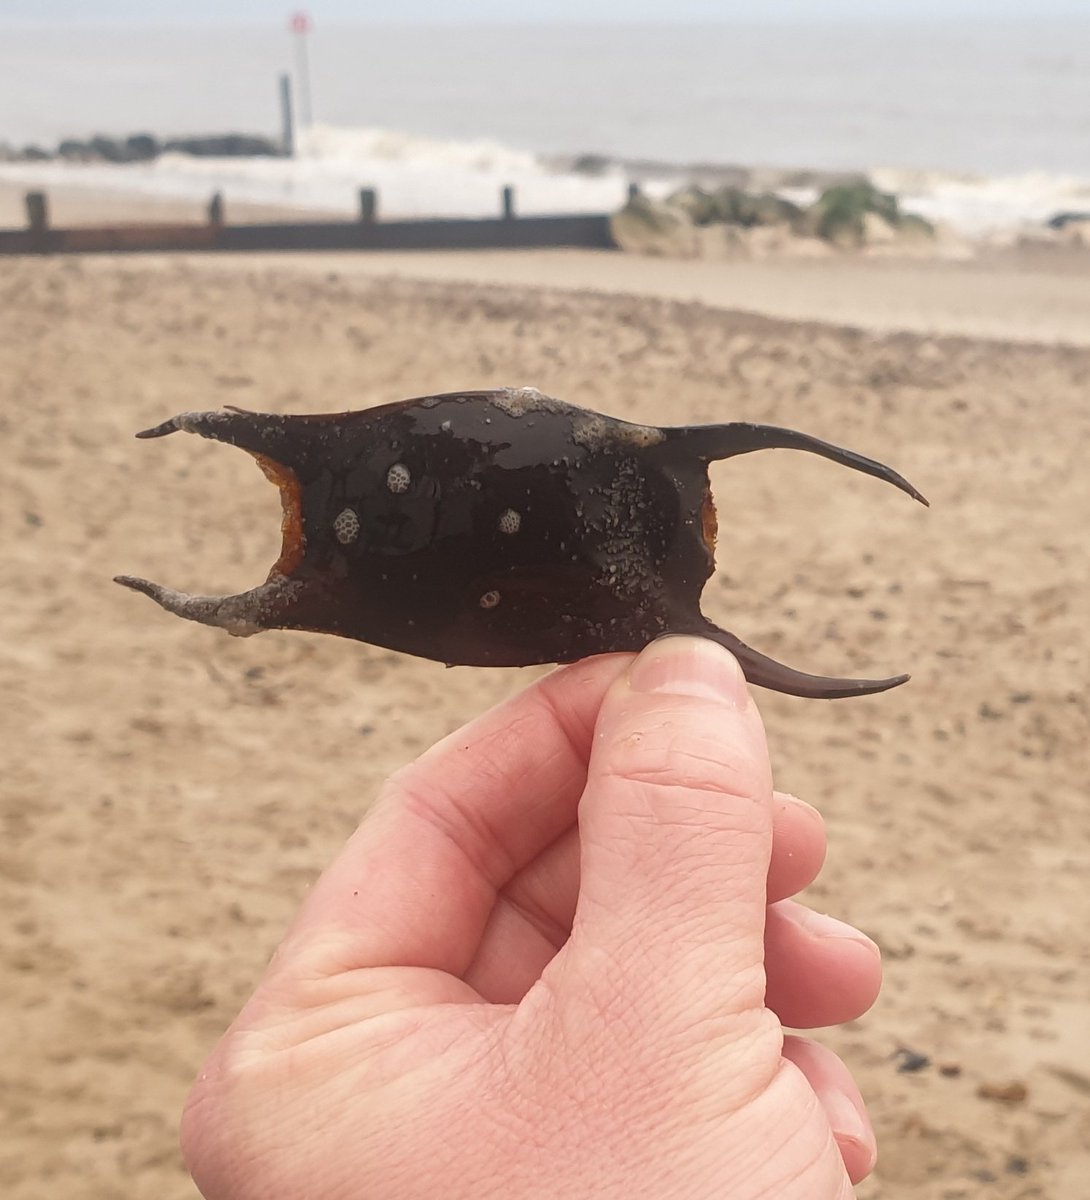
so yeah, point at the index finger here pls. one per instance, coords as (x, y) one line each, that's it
(416, 882)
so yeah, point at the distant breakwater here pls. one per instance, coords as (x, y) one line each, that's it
(146, 147)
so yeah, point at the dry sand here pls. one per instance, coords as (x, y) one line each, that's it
(168, 793)
(1035, 294)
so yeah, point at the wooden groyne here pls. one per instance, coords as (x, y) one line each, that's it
(505, 232)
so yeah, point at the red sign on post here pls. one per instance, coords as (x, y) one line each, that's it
(301, 22)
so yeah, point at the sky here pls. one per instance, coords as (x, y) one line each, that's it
(86, 13)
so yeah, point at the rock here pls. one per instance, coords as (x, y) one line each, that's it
(915, 227)
(844, 215)
(225, 145)
(764, 241)
(818, 181)
(107, 149)
(849, 215)
(646, 226)
(697, 204)
(142, 147)
(748, 209)
(145, 147)
(912, 237)
(910, 1061)
(838, 216)
(1061, 220)
(594, 165)
(721, 242)
(735, 206)
(1014, 1092)
(1077, 233)
(877, 231)
(73, 150)
(1024, 239)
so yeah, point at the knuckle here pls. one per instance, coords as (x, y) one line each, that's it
(670, 754)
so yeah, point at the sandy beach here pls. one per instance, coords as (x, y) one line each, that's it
(1022, 294)
(1033, 291)
(169, 793)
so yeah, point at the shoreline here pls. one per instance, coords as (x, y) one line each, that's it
(1034, 292)
(418, 177)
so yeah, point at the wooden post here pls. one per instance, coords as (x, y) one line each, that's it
(368, 206)
(287, 118)
(215, 209)
(37, 212)
(508, 203)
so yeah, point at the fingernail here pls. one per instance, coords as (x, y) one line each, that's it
(849, 1123)
(823, 926)
(789, 800)
(787, 804)
(690, 666)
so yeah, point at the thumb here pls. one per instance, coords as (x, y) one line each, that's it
(676, 832)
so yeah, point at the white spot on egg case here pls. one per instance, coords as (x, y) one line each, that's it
(510, 521)
(346, 526)
(398, 478)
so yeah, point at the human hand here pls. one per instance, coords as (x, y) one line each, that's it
(480, 998)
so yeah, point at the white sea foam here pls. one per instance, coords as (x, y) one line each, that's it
(978, 206)
(336, 143)
(414, 177)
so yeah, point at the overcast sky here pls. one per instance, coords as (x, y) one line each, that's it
(173, 12)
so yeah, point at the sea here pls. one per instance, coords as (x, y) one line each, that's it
(984, 126)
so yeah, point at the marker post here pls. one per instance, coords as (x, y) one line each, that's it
(301, 26)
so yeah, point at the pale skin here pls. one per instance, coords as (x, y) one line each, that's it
(556, 960)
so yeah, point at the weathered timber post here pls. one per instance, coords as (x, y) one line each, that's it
(215, 210)
(368, 206)
(508, 203)
(287, 118)
(37, 212)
